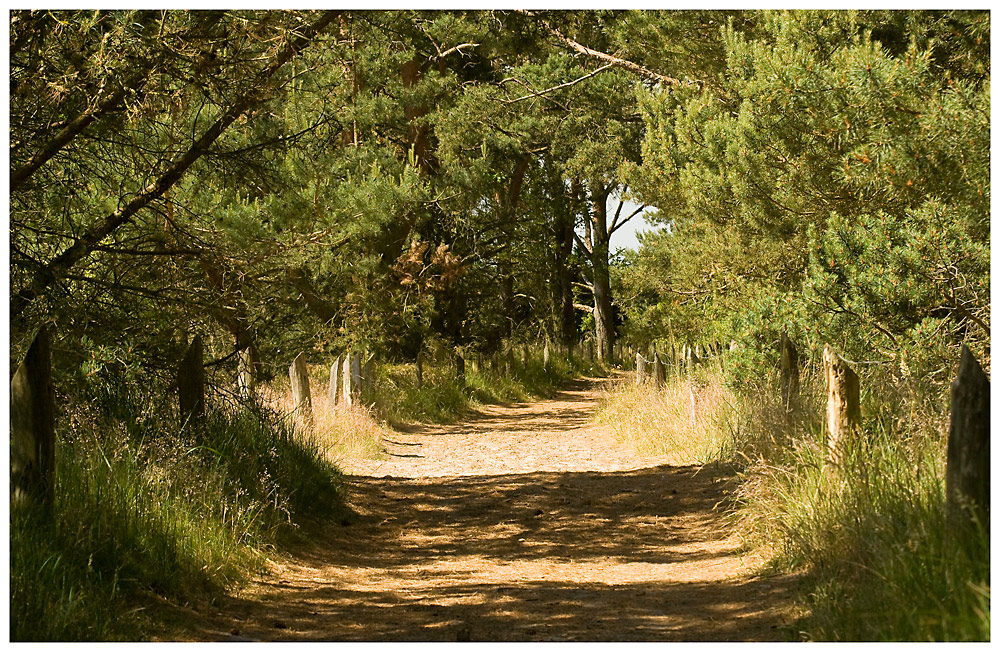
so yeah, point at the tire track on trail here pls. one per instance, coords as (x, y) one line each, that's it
(526, 522)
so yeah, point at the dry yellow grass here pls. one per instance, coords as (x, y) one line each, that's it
(692, 421)
(338, 431)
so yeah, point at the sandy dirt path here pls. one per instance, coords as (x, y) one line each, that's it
(526, 522)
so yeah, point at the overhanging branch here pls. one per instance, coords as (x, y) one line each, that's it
(624, 64)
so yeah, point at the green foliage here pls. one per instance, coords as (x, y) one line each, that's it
(835, 185)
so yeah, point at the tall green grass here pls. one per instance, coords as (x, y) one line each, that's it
(144, 507)
(881, 558)
(441, 398)
(885, 561)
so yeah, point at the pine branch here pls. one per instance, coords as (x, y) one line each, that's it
(554, 88)
(62, 263)
(603, 56)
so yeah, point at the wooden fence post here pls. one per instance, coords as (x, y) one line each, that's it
(460, 369)
(347, 379)
(32, 426)
(640, 369)
(967, 475)
(693, 404)
(191, 383)
(420, 368)
(356, 372)
(843, 405)
(789, 371)
(545, 356)
(333, 392)
(301, 397)
(368, 374)
(659, 374)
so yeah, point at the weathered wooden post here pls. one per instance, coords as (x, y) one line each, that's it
(545, 355)
(659, 374)
(843, 405)
(244, 374)
(32, 427)
(789, 358)
(356, 372)
(967, 476)
(333, 393)
(459, 369)
(590, 350)
(640, 368)
(348, 380)
(191, 383)
(420, 368)
(368, 374)
(301, 397)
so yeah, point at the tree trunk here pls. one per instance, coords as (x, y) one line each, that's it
(604, 328)
(191, 383)
(319, 306)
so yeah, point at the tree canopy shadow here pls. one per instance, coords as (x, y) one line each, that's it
(419, 531)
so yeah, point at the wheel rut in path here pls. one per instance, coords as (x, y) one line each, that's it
(526, 522)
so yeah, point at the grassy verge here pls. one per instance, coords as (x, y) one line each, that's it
(340, 431)
(881, 558)
(144, 507)
(688, 420)
(441, 398)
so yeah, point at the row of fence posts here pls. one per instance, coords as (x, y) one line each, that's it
(32, 409)
(967, 476)
(349, 378)
(685, 360)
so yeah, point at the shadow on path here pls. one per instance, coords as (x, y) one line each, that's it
(591, 556)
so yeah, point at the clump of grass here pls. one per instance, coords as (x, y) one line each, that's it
(689, 420)
(142, 506)
(336, 431)
(884, 560)
(441, 398)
